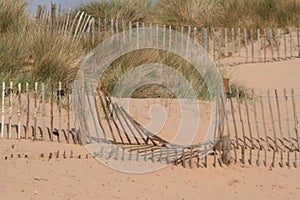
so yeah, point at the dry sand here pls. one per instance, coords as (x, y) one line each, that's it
(34, 177)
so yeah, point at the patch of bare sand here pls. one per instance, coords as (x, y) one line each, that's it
(41, 178)
(264, 76)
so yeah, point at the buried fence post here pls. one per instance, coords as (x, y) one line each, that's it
(225, 149)
(295, 118)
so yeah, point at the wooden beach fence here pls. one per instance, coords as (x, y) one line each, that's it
(27, 113)
(226, 46)
(264, 128)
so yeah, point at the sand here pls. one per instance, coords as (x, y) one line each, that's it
(33, 176)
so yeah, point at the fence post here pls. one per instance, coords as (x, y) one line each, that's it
(265, 45)
(252, 44)
(3, 109)
(233, 45)
(35, 109)
(53, 16)
(273, 122)
(43, 112)
(285, 54)
(255, 118)
(246, 44)
(51, 112)
(10, 91)
(279, 115)
(259, 45)
(298, 41)
(264, 121)
(271, 41)
(214, 43)
(226, 44)
(278, 44)
(295, 118)
(239, 42)
(240, 115)
(248, 120)
(19, 110)
(38, 12)
(112, 26)
(233, 118)
(170, 37)
(220, 45)
(287, 116)
(27, 110)
(291, 42)
(195, 36)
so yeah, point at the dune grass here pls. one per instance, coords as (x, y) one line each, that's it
(31, 51)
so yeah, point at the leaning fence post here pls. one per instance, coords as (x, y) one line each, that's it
(240, 115)
(287, 116)
(264, 122)
(258, 158)
(273, 121)
(248, 120)
(279, 115)
(295, 118)
(295, 163)
(255, 118)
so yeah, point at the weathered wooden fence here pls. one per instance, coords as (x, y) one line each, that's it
(259, 128)
(226, 46)
(36, 112)
(263, 129)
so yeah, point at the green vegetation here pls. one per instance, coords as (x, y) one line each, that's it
(30, 51)
(33, 51)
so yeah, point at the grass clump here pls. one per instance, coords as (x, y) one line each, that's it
(128, 10)
(12, 15)
(31, 51)
(228, 13)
